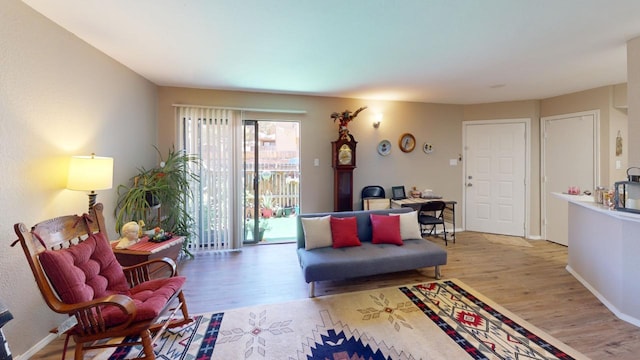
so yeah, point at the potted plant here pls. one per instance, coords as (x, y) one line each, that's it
(263, 226)
(267, 205)
(166, 188)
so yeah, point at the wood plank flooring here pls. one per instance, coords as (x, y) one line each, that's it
(529, 281)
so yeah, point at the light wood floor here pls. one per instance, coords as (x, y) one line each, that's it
(529, 281)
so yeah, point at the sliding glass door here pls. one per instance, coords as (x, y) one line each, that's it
(271, 180)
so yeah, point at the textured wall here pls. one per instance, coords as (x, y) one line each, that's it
(58, 97)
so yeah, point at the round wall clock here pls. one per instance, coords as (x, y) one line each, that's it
(407, 142)
(384, 147)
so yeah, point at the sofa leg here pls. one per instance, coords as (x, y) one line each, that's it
(312, 288)
(438, 274)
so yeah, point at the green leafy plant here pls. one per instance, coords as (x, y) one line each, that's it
(166, 186)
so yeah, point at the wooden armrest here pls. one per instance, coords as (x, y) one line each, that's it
(139, 273)
(165, 261)
(89, 313)
(122, 301)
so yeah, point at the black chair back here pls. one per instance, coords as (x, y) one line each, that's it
(371, 191)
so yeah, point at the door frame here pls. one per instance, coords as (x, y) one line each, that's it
(527, 167)
(255, 121)
(596, 160)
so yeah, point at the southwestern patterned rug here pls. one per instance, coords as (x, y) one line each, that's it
(434, 320)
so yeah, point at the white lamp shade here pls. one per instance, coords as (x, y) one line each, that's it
(90, 173)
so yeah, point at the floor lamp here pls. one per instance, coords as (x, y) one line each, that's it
(90, 173)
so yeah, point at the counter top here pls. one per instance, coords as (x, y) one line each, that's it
(589, 203)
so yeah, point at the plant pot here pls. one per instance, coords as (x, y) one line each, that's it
(267, 213)
(151, 199)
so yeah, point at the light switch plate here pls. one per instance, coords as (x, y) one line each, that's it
(453, 162)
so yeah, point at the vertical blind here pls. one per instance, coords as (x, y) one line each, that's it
(210, 133)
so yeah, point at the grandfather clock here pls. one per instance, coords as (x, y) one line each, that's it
(344, 161)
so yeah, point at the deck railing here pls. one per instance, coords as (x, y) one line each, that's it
(279, 189)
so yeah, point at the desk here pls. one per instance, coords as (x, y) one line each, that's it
(146, 250)
(416, 203)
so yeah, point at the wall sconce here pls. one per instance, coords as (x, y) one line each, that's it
(377, 119)
(90, 173)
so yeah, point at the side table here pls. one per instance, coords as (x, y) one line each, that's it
(146, 250)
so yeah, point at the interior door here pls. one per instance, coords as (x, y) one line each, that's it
(569, 158)
(495, 170)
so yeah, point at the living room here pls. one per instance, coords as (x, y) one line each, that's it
(61, 97)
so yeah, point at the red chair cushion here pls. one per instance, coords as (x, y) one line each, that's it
(84, 272)
(150, 298)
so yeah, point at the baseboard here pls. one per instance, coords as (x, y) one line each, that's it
(37, 347)
(603, 300)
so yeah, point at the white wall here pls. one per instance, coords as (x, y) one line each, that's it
(58, 97)
(633, 99)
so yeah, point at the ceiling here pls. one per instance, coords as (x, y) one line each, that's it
(454, 52)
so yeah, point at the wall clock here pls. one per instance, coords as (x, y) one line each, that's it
(407, 142)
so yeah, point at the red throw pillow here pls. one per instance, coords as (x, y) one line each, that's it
(385, 229)
(344, 232)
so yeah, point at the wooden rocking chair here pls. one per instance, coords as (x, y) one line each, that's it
(78, 274)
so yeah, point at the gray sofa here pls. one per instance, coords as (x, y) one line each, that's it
(329, 263)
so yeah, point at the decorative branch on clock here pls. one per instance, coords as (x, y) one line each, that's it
(345, 118)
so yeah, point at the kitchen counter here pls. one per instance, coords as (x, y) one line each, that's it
(603, 254)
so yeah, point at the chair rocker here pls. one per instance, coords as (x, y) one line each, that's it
(78, 274)
(430, 215)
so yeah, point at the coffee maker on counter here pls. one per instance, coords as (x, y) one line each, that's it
(627, 193)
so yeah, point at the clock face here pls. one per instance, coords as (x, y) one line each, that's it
(344, 155)
(407, 142)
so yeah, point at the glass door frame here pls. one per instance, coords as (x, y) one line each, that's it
(255, 186)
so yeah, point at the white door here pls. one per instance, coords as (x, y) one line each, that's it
(569, 158)
(495, 170)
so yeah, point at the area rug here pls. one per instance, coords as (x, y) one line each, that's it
(507, 240)
(434, 320)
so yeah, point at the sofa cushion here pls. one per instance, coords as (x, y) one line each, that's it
(369, 259)
(409, 226)
(344, 232)
(84, 272)
(386, 229)
(317, 232)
